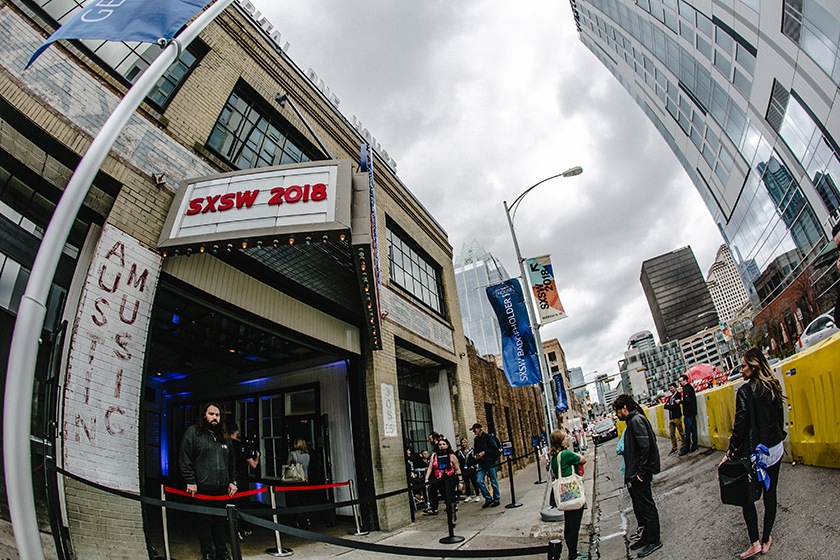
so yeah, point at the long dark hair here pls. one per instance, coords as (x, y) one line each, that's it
(626, 400)
(763, 373)
(222, 427)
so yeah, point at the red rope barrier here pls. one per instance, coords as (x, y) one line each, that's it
(242, 494)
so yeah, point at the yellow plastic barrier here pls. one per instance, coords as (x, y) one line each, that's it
(621, 425)
(812, 386)
(661, 424)
(720, 415)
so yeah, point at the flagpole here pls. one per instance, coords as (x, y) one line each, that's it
(20, 376)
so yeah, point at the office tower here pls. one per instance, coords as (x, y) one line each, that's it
(746, 95)
(663, 365)
(677, 295)
(642, 340)
(475, 269)
(726, 287)
(576, 379)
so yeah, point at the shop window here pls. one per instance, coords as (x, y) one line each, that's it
(412, 269)
(249, 134)
(415, 406)
(273, 437)
(129, 60)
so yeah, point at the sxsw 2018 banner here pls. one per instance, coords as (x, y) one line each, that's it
(519, 350)
(541, 280)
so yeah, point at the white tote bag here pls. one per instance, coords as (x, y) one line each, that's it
(568, 492)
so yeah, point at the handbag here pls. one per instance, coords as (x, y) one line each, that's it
(293, 472)
(568, 492)
(739, 484)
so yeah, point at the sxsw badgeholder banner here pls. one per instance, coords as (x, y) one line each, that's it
(519, 350)
(126, 20)
(561, 400)
(541, 280)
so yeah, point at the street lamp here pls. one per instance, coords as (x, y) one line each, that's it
(548, 399)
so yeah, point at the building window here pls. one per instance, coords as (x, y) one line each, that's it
(411, 268)
(250, 134)
(128, 60)
(816, 32)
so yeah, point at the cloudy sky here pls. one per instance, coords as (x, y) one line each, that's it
(477, 101)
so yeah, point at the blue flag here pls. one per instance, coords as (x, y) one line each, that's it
(519, 350)
(146, 21)
(559, 387)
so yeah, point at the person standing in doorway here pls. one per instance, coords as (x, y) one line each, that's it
(674, 407)
(208, 466)
(641, 462)
(689, 410)
(300, 455)
(487, 454)
(246, 459)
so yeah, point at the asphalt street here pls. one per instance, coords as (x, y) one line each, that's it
(695, 525)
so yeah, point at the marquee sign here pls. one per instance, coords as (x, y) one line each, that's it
(260, 205)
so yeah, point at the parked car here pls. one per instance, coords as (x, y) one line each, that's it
(604, 430)
(735, 373)
(817, 330)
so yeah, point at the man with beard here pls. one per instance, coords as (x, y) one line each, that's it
(208, 467)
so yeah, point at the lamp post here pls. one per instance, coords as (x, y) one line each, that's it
(510, 211)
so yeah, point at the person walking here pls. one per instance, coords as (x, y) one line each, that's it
(759, 421)
(641, 462)
(466, 460)
(445, 474)
(246, 458)
(208, 466)
(487, 454)
(689, 410)
(674, 408)
(562, 463)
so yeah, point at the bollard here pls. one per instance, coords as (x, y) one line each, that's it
(555, 549)
(451, 538)
(278, 551)
(359, 532)
(539, 470)
(513, 503)
(233, 526)
(163, 519)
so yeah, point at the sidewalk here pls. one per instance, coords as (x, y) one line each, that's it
(491, 528)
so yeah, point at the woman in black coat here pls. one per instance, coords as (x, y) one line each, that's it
(759, 398)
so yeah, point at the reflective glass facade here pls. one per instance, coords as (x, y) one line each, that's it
(475, 269)
(753, 122)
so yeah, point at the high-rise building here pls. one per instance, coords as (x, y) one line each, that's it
(475, 269)
(746, 95)
(677, 295)
(726, 287)
(576, 379)
(663, 365)
(642, 340)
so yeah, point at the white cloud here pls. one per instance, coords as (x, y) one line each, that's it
(478, 101)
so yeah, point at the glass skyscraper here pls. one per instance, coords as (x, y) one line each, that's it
(475, 269)
(746, 95)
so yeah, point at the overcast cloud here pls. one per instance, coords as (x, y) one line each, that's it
(479, 100)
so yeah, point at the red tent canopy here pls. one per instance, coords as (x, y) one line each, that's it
(703, 375)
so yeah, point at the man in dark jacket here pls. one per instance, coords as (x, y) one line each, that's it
(487, 454)
(208, 467)
(689, 409)
(674, 407)
(641, 462)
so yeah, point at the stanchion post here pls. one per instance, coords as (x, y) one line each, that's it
(539, 470)
(233, 527)
(555, 549)
(356, 515)
(279, 551)
(451, 538)
(163, 518)
(513, 503)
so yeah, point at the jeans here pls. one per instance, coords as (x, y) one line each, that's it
(481, 471)
(645, 509)
(750, 515)
(690, 442)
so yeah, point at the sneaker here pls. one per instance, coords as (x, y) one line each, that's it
(487, 504)
(683, 452)
(431, 512)
(649, 549)
(478, 499)
(637, 534)
(765, 547)
(638, 544)
(673, 452)
(495, 504)
(208, 556)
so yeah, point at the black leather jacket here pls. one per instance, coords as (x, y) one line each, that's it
(206, 460)
(641, 452)
(769, 420)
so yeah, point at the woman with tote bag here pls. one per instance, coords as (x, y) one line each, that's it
(565, 463)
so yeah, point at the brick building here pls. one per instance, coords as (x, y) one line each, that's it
(281, 325)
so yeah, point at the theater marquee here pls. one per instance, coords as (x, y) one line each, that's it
(265, 205)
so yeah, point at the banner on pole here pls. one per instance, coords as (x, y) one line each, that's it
(126, 20)
(541, 280)
(559, 387)
(519, 349)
